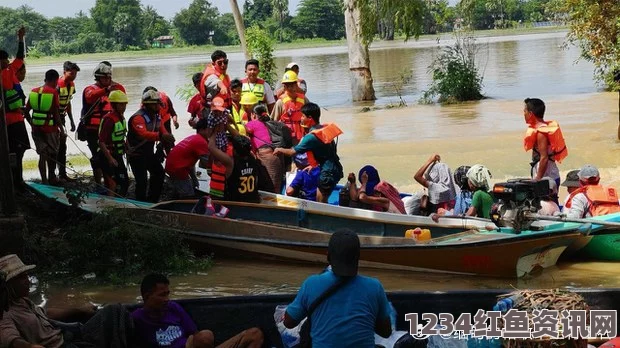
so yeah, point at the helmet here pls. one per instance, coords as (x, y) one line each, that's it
(249, 99)
(289, 76)
(150, 97)
(460, 177)
(117, 96)
(103, 69)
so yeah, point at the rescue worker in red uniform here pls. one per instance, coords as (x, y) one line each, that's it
(14, 100)
(94, 106)
(46, 126)
(167, 112)
(288, 106)
(112, 133)
(145, 129)
(66, 90)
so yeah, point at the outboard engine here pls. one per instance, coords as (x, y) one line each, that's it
(516, 198)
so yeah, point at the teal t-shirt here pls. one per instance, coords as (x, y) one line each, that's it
(483, 202)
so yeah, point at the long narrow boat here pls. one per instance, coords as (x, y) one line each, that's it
(487, 253)
(227, 316)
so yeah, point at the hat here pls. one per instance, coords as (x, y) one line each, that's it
(572, 179)
(301, 159)
(12, 266)
(291, 65)
(344, 252)
(103, 69)
(588, 171)
(289, 77)
(150, 97)
(248, 99)
(218, 104)
(117, 96)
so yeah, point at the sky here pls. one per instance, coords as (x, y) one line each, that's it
(166, 8)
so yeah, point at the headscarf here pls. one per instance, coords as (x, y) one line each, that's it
(440, 175)
(214, 119)
(373, 178)
(391, 193)
(480, 176)
(460, 177)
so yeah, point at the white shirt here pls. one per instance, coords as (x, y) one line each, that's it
(580, 207)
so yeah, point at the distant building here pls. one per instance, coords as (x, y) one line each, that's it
(164, 41)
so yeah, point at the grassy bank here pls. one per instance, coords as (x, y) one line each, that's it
(72, 161)
(297, 44)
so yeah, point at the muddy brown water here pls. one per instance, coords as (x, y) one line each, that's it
(398, 141)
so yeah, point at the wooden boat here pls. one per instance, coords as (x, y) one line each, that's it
(227, 316)
(488, 253)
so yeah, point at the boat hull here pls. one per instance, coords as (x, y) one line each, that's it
(479, 253)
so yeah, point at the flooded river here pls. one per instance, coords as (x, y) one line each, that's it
(398, 141)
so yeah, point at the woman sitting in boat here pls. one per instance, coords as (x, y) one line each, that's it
(479, 179)
(354, 192)
(262, 146)
(463, 195)
(436, 177)
(385, 196)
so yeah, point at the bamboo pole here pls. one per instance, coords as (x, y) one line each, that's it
(240, 28)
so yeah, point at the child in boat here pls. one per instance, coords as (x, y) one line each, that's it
(306, 182)
(479, 180)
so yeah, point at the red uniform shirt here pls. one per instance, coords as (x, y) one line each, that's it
(184, 156)
(9, 79)
(54, 109)
(107, 127)
(195, 105)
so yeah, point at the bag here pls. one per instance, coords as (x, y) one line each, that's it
(81, 131)
(331, 173)
(280, 134)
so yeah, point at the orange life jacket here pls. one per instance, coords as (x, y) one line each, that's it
(217, 185)
(164, 110)
(292, 114)
(326, 135)
(210, 70)
(602, 200)
(556, 140)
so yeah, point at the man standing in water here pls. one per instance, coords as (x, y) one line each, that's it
(545, 139)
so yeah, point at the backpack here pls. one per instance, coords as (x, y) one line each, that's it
(280, 134)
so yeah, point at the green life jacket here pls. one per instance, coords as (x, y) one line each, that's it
(258, 89)
(118, 136)
(13, 100)
(41, 104)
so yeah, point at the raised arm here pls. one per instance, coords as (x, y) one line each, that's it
(419, 175)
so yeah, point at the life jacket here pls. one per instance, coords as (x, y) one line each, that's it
(258, 90)
(117, 146)
(217, 185)
(14, 98)
(210, 70)
(557, 145)
(65, 94)
(94, 112)
(240, 117)
(292, 114)
(602, 200)
(164, 110)
(41, 103)
(326, 134)
(138, 146)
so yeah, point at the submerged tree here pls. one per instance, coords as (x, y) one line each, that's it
(361, 19)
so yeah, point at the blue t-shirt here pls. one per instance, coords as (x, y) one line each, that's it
(306, 183)
(463, 202)
(347, 318)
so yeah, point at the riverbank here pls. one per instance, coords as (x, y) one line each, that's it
(281, 48)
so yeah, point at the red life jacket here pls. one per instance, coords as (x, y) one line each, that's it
(326, 135)
(292, 114)
(98, 108)
(164, 110)
(602, 200)
(210, 70)
(217, 185)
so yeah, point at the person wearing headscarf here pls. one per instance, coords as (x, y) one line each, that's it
(479, 180)
(384, 195)
(437, 178)
(369, 188)
(463, 195)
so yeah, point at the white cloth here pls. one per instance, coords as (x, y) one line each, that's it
(580, 207)
(440, 184)
(548, 208)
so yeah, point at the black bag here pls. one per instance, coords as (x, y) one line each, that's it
(305, 341)
(81, 131)
(280, 134)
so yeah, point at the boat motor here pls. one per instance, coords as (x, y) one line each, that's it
(516, 198)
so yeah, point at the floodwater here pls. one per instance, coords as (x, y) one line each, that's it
(398, 141)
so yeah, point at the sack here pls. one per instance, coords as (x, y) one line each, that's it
(81, 131)
(290, 337)
(280, 134)
(331, 173)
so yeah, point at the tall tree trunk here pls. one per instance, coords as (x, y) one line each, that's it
(359, 60)
(240, 28)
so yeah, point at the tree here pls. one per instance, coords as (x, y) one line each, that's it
(153, 24)
(225, 32)
(196, 22)
(256, 12)
(261, 47)
(595, 28)
(12, 19)
(361, 18)
(329, 25)
(119, 20)
(280, 13)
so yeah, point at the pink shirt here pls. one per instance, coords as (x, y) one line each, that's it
(259, 134)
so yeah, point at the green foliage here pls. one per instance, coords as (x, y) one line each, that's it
(455, 74)
(196, 22)
(407, 16)
(119, 20)
(256, 12)
(404, 77)
(261, 47)
(153, 24)
(12, 19)
(114, 248)
(328, 25)
(225, 31)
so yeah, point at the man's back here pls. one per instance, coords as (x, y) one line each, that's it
(348, 317)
